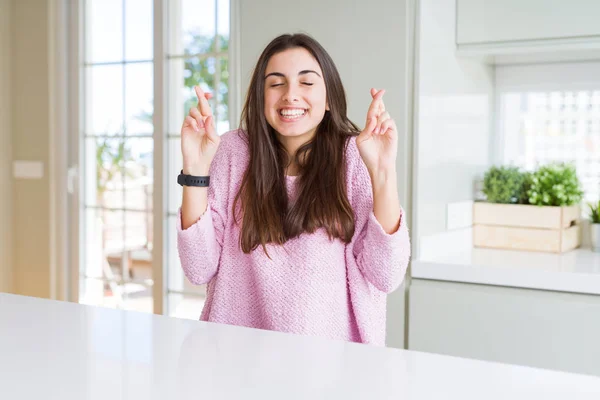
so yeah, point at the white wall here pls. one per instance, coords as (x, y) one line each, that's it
(6, 262)
(368, 40)
(454, 123)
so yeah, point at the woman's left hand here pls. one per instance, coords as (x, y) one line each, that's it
(378, 142)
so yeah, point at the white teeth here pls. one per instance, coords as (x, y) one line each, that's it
(292, 113)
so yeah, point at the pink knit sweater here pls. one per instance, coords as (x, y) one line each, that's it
(311, 285)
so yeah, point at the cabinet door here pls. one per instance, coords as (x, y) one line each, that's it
(489, 21)
(535, 328)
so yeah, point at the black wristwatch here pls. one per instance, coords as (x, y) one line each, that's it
(190, 180)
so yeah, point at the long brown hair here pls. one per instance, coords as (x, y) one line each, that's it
(322, 201)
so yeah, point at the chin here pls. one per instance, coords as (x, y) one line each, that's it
(292, 130)
(287, 132)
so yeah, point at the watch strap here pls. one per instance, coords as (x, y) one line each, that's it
(191, 180)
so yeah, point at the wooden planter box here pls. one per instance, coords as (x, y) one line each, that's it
(526, 227)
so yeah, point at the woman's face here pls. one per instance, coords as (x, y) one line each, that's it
(295, 96)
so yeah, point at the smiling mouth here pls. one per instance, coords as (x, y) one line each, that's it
(292, 114)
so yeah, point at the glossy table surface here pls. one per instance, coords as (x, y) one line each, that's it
(67, 351)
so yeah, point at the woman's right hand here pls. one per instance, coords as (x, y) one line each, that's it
(199, 140)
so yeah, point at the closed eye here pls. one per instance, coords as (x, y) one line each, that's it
(281, 84)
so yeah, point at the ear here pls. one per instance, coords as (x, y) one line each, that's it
(327, 107)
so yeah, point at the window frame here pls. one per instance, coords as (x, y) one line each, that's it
(162, 178)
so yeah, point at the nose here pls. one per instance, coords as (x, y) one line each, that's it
(290, 95)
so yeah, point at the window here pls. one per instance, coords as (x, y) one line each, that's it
(117, 148)
(551, 113)
(118, 140)
(197, 54)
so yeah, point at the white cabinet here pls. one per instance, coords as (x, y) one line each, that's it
(493, 21)
(520, 326)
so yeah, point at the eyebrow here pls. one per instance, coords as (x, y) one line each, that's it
(303, 72)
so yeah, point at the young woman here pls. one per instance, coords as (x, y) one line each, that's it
(300, 229)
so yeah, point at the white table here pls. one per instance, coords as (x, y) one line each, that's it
(57, 350)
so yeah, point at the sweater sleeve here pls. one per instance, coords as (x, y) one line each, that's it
(382, 258)
(199, 246)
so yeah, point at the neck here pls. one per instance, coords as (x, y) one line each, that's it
(292, 170)
(293, 143)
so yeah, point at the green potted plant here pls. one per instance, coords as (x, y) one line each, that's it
(595, 225)
(504, 185)
(536, 211)
(555, 184)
